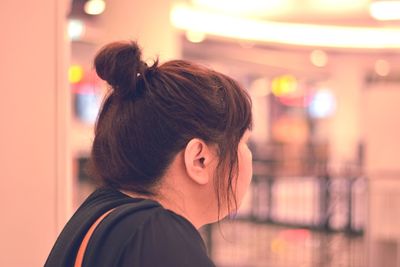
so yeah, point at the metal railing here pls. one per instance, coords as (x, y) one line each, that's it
(294, 221)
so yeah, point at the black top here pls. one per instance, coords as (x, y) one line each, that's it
(138, 233)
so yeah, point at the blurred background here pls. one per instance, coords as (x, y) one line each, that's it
(324, 77)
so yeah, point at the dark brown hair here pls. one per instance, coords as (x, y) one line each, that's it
(152, 112)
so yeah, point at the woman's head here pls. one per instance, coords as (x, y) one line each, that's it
(151, 113)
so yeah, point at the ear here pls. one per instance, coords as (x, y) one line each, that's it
(197, 156)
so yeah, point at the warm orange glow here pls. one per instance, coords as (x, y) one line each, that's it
(290, 130)
(278, 246)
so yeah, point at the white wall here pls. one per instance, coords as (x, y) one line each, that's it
(346, 81)
(382, 128)
(33, 117)
(145, 21)
(382, 131)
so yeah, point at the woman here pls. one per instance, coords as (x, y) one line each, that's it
(171, 155)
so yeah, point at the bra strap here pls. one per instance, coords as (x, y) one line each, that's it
(85, 241)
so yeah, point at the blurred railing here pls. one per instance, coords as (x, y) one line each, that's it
(383, 232)
(294, 221)
(318, 203)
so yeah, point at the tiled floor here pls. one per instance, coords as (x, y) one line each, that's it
(246, 244)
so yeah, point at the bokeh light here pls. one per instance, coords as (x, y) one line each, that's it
(382, 67)
(195, 37)
(323, 104)
(284, 85)
(94, 7)
(75, 74)
(76, 29)
(319, 58)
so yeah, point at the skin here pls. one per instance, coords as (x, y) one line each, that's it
(187, 188)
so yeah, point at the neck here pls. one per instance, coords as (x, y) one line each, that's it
(174, 202)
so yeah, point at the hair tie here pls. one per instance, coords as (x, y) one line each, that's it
(142, 69)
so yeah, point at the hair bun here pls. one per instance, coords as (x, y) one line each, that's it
(120, 64)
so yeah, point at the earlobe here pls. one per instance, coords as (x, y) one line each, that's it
(196, 157)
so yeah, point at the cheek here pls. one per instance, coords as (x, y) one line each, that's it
(245, 171)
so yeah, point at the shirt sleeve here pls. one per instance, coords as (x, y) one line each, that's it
(168, 240)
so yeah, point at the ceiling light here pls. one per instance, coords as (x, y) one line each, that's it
(254, 8)
(385, 10)
(94, 7)
(187, 18)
